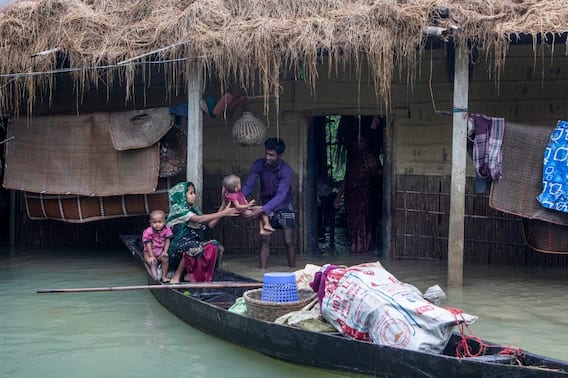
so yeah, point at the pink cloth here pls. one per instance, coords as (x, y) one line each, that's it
(237, 196)
(201, 268)
(157, 238)
(318, 284)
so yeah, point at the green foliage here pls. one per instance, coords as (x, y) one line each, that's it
(336, 154)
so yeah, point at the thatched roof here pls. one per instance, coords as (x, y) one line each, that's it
(249, 41)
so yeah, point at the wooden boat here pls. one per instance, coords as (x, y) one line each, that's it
(206, 310)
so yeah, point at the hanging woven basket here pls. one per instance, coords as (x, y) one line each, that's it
(173, 152)
(249, 130)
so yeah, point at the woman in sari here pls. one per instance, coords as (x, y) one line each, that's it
(361, 186)
(191, 249)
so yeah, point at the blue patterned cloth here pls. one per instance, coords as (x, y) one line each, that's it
(555, 171)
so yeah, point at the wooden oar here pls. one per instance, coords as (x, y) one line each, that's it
(188, 285)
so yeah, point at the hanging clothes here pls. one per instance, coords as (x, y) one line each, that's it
(487, 153)
(555, 170)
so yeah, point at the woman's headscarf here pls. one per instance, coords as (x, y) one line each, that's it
(180, 210)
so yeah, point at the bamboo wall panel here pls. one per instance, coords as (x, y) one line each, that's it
(421, 214)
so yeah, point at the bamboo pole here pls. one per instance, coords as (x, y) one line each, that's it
(459, 155)
(195, 131)
(388, 185)
(131, 59)
(310, 305)
(190, 285)
(12, 217)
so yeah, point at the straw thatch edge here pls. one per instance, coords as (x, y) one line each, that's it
(251, 42)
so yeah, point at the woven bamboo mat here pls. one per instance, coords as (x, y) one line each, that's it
(523, 154)
(66, 154)
(545, 230)
(81, 209)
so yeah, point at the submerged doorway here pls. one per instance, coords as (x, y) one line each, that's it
(345, 167)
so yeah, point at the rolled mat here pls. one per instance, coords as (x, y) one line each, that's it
(82, 209)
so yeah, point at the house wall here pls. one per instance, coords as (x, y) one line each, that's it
(221, 156)
(65, 101)
(419, 146)
(529, 89)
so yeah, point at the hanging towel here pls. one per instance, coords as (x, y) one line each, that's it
(555, 170)
(487, 154)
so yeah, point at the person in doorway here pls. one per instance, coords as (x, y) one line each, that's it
(192, 250)
(275, 176)
(156, 239)
(361, 187)
(233, 195)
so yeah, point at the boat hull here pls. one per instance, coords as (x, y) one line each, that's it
(336, 352)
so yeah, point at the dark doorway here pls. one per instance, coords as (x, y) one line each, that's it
(345, 166)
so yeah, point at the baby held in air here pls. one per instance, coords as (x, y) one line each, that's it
(233, 194)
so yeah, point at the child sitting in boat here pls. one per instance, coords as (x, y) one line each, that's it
(156, 239)
(232, 193)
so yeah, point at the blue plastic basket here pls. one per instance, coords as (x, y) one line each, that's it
(279, 287)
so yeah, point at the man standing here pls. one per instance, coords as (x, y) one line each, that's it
(275, 176)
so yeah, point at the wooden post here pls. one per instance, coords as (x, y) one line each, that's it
(386, 231)
(309, 197)
(12, 204)
(459, 149)
(195, 131)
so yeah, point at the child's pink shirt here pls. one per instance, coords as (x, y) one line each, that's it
(237, 196)
(158, 239)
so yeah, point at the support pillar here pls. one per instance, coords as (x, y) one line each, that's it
(458, 179)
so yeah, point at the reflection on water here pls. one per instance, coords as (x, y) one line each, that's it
(128, 334)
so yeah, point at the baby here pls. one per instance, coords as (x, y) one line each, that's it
(156, 239)
(233, 194)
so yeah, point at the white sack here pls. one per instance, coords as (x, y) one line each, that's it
(368, 303)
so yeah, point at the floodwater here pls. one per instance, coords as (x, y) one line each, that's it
(107, 334)
(129, 334)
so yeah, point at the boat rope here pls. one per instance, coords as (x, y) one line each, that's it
(463, 348)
